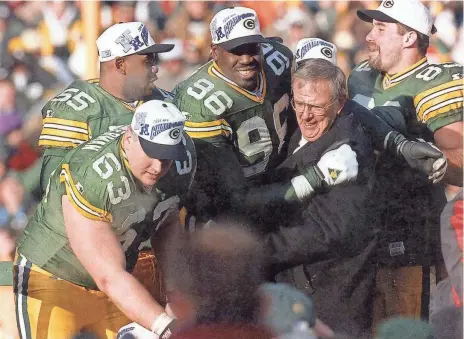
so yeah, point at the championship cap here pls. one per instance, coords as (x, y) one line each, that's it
(411, 13)
(315, 48)
(159, 126)
(235, 26)
(127, 38)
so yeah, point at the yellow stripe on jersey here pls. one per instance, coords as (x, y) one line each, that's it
(445, 97)
(209, 129)
(78, 201)
(59, 132)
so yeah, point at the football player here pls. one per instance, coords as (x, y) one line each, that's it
(430, 98)
(238, 113)
(77, 251)
(384, 123)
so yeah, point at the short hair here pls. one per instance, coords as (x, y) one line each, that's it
(320, 69)
(423, 41)
(220, 268)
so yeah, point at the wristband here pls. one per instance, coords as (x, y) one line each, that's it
(162, 326)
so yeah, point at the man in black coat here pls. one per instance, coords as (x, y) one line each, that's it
(324, 245)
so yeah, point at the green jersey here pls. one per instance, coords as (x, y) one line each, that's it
(97, 180)
(429, 95)
(238, 134)
(254, 122)
(81, 112)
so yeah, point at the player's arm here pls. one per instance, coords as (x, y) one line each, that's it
(449, 140)
(98, 249)
(310, 181)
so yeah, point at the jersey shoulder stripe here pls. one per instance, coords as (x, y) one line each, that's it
(439, 99)
(59, 132)
(208, 129)
(78, 201)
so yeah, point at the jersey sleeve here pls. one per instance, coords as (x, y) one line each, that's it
(441, 101)
(65, 119)
(87, 193)
(204, 109)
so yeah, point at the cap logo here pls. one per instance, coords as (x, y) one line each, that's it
(106, 53)
(140, 120)
(159, 128)
(174, 134)
(144, 35)
(249, 23)
(128, 42)
(327, 52)
(388, 3)
(231, 23)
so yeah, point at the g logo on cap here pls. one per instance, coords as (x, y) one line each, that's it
(388, 3)
(174, 134)
(327, 52)
(249, 24)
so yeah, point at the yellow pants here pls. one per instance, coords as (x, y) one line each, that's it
(398, 293)
(49, 308)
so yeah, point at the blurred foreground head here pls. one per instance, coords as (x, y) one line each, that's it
(215, 274)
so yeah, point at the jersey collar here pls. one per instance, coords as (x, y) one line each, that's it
(129, 105)
(390, 81)
(257, 96)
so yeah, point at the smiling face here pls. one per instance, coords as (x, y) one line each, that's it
(147, 170)
(241, 65)
(385, 45)
(140, 75)
(315, 107)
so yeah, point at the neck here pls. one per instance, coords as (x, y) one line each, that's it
(112, 86)
(407, 60)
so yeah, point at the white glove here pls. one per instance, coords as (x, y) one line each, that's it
(335, 167)
(339, 165)
(135, 331)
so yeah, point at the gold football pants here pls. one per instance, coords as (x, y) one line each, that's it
(50, 308)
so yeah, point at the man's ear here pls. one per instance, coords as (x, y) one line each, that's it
(341, 103)
(120, 65)
(214, 52)
(409, 38)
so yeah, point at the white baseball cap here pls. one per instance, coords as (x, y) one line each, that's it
(411, 13)
(127, 38)
(235, 26)
(160, 126)
(315, 48)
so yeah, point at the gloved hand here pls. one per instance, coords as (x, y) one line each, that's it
(419, 154)
(162, 328)
(336, 166)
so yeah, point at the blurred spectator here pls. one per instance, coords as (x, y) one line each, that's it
(405, 328)
(172, 65)
(123, 11)
(191, 22)
(214, 276)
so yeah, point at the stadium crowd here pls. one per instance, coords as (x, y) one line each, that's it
(368, 244)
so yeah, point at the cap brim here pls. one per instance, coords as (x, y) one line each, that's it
(251, 39)
(370, 14)
(157, 48)
(164, 152)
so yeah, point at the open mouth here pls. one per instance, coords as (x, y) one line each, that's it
(247, 73)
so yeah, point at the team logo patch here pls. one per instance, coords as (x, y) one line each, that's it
(50, 113)
(174, 134)
(327, 52)
(334, 173)
(79, 187)
(388, 3)
(249, 24)
(106, 53)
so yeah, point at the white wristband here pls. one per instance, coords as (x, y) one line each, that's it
(160, 323)
(303, 188)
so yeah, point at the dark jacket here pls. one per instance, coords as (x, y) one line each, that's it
(326, 246)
